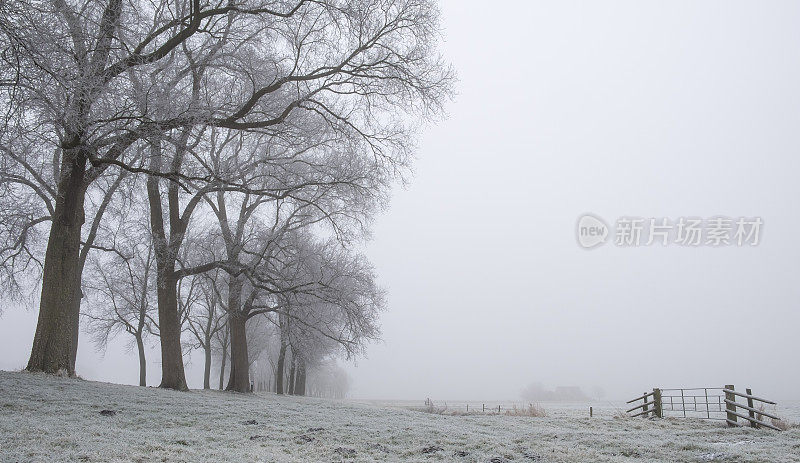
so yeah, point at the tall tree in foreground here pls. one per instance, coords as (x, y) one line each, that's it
(349, 69)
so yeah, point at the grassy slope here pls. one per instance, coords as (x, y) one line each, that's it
(45, 418)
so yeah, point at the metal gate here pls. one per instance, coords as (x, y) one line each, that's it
(707, 403)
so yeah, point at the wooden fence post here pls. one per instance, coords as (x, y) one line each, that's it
(752, 413)
(731, 418)
(644, 409)
(683, 403)
(657, 403)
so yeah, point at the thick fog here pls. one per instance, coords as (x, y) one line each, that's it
(645, 109)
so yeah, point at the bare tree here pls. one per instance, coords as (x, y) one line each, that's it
(328, 380)
(333, 311)
(27, 205)
(206, 320)
(334, 189)
(121, 298)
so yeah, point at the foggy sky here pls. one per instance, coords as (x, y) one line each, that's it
(650, 109)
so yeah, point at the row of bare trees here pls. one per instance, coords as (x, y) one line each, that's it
(162, 160)
(290, 341)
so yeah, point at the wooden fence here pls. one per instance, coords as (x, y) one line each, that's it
(708, 403)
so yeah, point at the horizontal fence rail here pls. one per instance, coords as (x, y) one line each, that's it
(646, 395)
(707, 403)
(749, 397)
(753, 421)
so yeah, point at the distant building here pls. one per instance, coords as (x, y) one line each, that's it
(536, 392)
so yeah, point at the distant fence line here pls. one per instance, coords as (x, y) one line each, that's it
(478, 407)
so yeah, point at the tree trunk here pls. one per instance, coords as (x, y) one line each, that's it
(223, 361)
(75, 320)
(56, 339)
(279, 370)
(239, 379)
(169, 324)
(300, 383)
(292, 370)
(142, 362)
(207, 371)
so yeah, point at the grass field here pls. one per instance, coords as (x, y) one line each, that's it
(49, 419)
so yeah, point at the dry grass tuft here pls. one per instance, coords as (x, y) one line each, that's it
(780, 424)
(430, 407)
(532, 410)
(619, 414)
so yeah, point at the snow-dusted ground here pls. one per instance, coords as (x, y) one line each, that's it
(52, 419)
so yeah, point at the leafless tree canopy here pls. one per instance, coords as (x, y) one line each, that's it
(266, 134)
